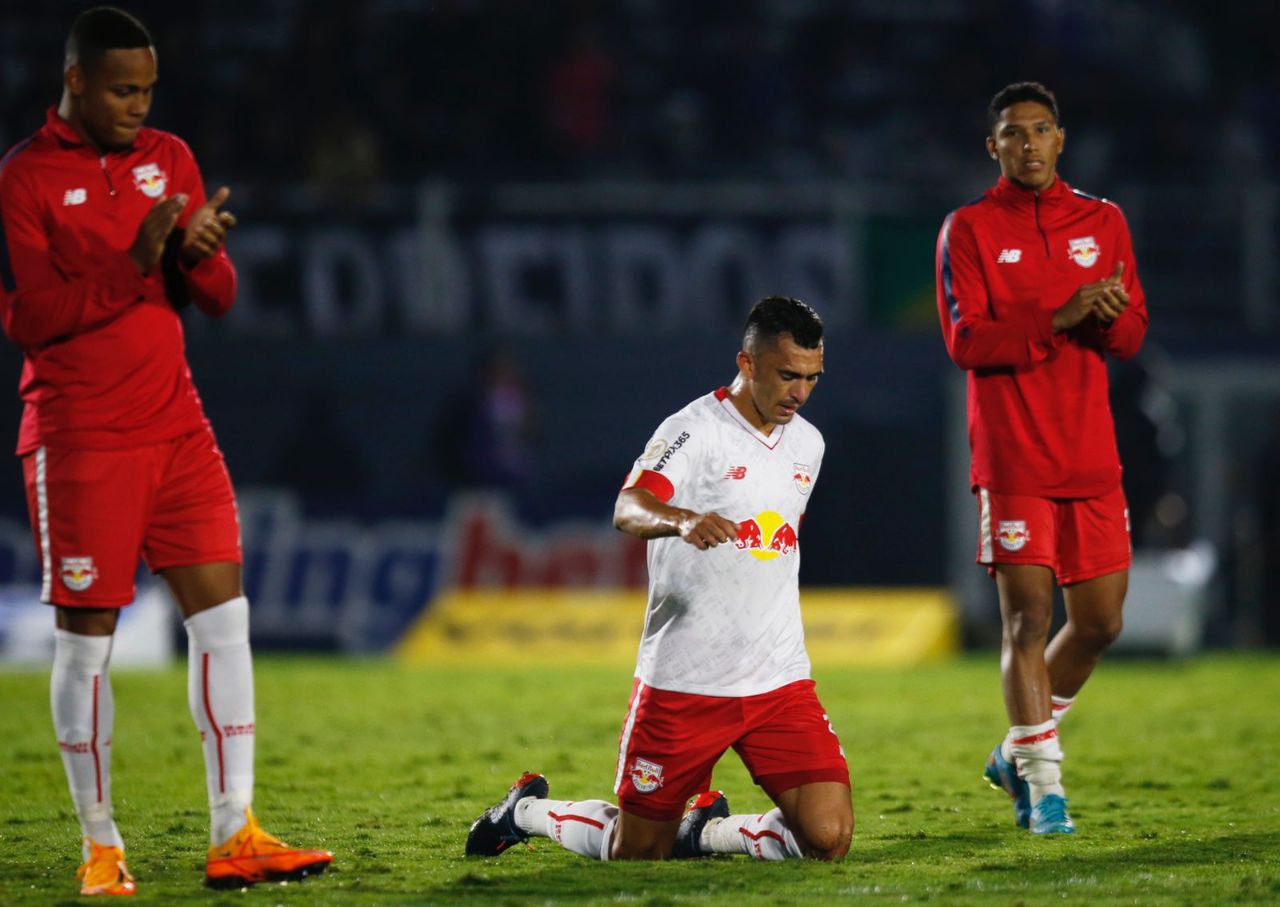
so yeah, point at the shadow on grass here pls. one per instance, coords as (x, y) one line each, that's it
(973, 855)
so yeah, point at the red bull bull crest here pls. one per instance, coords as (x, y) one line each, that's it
(1013, 534)
(78, 573)
(766, 536)
(149, 180)
(646, 776)
(1084, 251)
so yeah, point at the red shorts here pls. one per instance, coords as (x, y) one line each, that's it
(94, 513)
(671, 742)
(1077, 538)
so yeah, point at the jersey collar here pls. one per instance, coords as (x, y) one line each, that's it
(1007, 192)
(770, 440)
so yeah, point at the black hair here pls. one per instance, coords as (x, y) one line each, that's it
(774, 316)
(1021, 91)
(103, 28)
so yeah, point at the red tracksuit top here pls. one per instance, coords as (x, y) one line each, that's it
(104, 358)
(1039, 419)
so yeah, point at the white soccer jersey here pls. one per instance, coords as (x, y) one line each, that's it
(726, 621)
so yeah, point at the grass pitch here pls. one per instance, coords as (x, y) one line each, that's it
(1172, 768)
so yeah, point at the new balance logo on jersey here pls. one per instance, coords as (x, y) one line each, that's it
(1009, 257)
(736, 472)
(75, 197)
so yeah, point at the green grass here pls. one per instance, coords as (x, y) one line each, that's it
(1173, 770)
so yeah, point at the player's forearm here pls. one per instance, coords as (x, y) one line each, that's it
(212, 284)
(1124, 337)
(36, 318)
(994, 344)
(637, 512)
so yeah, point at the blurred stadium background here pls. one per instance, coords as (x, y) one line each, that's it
(487, 246)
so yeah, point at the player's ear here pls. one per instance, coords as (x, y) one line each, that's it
(745, 364)
(73, 79)
(991, 147)
(1062, 139)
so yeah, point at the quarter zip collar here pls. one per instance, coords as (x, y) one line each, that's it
(1007, 192)
(62, 130)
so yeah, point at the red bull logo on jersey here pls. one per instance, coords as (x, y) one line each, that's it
(1013, 534)
(646, 776)
(150, 180)
(78, 573)
(1084, 251)
(767, 536)
(802, 477)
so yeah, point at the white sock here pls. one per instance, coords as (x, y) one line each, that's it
(765, 837)
(1038, 755)
(220, 694)
(584, 827)
(83, 716)
(1061, 705)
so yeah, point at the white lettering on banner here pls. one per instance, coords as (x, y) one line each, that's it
(331, 259)
(645, 271)
(533, 278)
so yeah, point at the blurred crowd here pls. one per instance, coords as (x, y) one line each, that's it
(376, 91)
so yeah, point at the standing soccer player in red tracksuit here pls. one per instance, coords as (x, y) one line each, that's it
(105, 230)
(1037, 284)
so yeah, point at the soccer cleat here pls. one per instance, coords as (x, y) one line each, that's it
(104, 872)
(496, 829)
(1049, 817)
(251, 856)
(708, 805)
(1002, 774)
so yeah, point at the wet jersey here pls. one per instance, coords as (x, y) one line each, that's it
(726, 621)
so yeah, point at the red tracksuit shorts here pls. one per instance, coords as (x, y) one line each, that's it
(94, 513)
(671, 741)
(1078, 538)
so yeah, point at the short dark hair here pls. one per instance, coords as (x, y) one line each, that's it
(103, 28)
(774, 316)
(1021, 91)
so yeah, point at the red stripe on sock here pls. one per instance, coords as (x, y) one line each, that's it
(766, 833)
(569, 817)
(217, 733)
(93, 741)
(1035, 738)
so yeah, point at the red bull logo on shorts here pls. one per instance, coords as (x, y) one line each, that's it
(1013, 534)
(1084, 251)
(767, 536)
(149, 180)
(78, 573)
(646, 776)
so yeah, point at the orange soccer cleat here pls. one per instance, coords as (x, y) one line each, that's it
(251, 856)
(104, 872)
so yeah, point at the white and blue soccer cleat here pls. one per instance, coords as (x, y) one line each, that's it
(1001, 774)
(1049, 817)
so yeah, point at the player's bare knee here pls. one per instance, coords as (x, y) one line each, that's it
(1028, 627)
(826, 837)
(1100, 631)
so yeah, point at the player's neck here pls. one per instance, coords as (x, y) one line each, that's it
(66, 110)
(742, 401)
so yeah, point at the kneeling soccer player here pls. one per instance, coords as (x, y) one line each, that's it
(719, 492)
